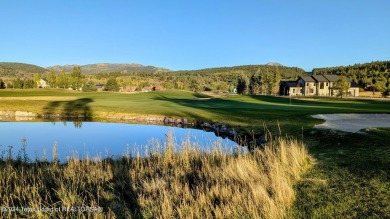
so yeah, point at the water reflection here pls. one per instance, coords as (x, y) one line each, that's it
(98, 139)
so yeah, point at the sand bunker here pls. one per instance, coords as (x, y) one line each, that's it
(353, 122)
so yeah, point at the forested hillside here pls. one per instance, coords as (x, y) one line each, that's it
(374, 75)
(224, 79)
(227, 78)
(14, 69)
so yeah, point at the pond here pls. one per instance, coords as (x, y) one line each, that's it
(99, 140)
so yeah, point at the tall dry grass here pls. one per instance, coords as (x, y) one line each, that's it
(167, 184)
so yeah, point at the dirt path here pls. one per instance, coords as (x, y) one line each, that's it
(353, 122)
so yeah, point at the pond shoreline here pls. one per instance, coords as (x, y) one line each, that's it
(222, 130)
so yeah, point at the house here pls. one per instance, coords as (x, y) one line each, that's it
(100, 87)
(308, 85)
(353, 89)
(42, 83)
(322, 85)
(292, 88)
(317, 85)
(147, 89)
(333, 90)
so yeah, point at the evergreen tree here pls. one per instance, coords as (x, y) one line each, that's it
(275, 83)
(111, 85)
(267, 82)
(2, 84)
(255, 84)
(242, 84)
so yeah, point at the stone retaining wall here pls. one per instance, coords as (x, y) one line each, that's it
(13, 114)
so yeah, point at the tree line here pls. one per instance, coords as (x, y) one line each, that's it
(250, 79)
(374, 76)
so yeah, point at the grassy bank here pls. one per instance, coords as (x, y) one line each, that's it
(170, 184)
(351, 178)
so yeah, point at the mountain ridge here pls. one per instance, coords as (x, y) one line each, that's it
(109, 67)
(274, 64)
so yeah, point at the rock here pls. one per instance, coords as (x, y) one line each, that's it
(7, 113)
(168, 120)
(223, 129)
(233, 133)
(257, 142)
(152, 118)
(207, 125)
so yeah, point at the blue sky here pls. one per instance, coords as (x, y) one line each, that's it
(195, 34)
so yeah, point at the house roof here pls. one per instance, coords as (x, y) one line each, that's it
(332, 78)
(319, 78)
(335, 78)
(308, 79)
(292, 83)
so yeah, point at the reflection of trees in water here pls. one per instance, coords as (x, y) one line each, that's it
(70, 109)
(77, 123)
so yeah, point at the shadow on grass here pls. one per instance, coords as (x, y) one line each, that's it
(249, 112)
(351, 179)
(76, 110)
(126, 204)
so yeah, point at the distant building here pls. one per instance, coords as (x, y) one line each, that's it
(100, 87)
(147, 89)
(316, 85)
(42, 83)
(292, 88)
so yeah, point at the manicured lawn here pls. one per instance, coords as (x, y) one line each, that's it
(245, 112)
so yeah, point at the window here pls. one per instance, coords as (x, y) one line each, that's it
(322, 85)
(293, 90)
(326, 83)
